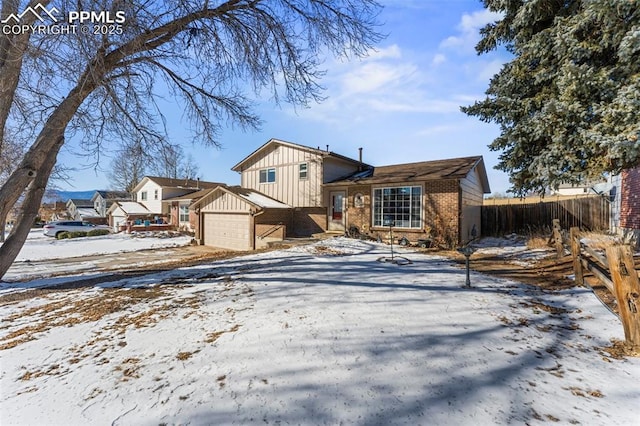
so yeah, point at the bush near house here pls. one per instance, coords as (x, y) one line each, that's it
(78, 234)
(97, 232)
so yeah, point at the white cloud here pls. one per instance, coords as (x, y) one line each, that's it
(468, 31)
(392, 51)
(439, 59)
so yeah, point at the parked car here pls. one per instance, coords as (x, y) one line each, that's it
(52, 229)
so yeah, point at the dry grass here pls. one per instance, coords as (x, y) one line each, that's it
(537, 242)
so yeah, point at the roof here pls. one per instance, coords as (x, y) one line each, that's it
(191, 196)
(87, 212)
(129, 207)
(176, 183)
(80, 202)
(251, 196)
(453, 168)
(112, 195)
(272, 141)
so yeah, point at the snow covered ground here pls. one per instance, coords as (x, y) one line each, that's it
(38, 246)
(318, 334)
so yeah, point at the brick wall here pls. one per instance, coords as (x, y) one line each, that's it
(441, 212)
(308, 220)
(630, 199)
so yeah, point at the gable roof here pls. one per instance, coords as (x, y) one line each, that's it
(112, 195)
(192, 195)
(317, 151)
(164, 182)
(453, 168)
(80, 202)
(253, 197)
(129, 207)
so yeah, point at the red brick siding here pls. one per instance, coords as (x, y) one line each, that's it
(440, 212)
(630, 199)
(308, 220)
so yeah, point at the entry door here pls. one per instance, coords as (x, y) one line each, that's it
(336, 211)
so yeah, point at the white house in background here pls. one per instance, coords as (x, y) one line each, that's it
(102, 200)
(81, 209)
(122, 211)
(153, 192)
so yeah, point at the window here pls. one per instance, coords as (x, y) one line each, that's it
(155, 194)
(268, 175)
(302, 169)
(184, 213)
(143, 196)
(400, 207)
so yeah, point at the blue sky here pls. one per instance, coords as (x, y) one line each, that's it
(401, 104)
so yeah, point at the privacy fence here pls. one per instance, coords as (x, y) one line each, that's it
(587, 213)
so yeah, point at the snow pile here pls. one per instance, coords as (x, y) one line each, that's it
(300, 337)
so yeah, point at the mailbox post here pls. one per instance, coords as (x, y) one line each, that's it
(467, 251)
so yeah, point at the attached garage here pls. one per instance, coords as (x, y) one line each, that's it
(228, 230)
(236, 218)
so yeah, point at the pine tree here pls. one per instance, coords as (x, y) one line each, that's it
(568, 104)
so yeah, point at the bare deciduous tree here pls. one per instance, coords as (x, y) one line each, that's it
(104, 85)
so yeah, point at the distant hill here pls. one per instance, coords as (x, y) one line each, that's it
(57, 195)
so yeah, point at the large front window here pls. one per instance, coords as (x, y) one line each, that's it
(400, 207)
(184, 213)
(267, 175)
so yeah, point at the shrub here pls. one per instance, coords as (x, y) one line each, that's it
(62, 235)
(77, 234)
(97, 232)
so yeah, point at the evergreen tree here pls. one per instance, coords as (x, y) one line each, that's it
(568, 104)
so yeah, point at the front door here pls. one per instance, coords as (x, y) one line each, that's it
(336, 211)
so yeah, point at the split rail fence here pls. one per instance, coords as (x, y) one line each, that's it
(615, 268)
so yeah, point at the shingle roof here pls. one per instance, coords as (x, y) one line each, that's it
(453, 168)
(192, 195)
(114, 195)
(81, 202)
(183, 183)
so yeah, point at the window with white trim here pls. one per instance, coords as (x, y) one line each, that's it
(155, 194)
(268, 175)
(184, 213)
(143, 196)
(400, 207)
(302, 170)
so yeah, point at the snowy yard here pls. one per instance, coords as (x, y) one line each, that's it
(318, 334)
(38, 246)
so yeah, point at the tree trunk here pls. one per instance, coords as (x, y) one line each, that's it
(29, 211)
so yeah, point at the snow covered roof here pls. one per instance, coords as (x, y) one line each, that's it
(130, 207)
(87, 212)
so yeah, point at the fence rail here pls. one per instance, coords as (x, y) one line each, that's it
(589, 213)
(615, 268)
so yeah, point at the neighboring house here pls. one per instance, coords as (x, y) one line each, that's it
(629, 225)
(317, 190)
(81, 209)
(240, 218)
(585, 188)
(102, 200)
(49, 212)
(159, 195)
(180, 215)
(123, 213)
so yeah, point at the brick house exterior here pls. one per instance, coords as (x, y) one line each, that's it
(630, 199)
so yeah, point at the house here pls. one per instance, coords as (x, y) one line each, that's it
(180, 214)
(440, 199)
(102, 200)
(159, 200)
(625, 204)
(81, 209)
(123, 214)
(240, 218)
(317, 190)
(295, 175)
(56, 210)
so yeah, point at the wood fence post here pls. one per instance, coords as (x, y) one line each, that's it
(557, 236)
(575, 254)
(627, 291)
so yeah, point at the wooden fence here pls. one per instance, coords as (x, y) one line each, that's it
(589, 213)
(615, 268)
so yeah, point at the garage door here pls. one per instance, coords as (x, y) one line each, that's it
(230, 231)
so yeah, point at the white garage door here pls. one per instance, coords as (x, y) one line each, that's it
(230, 231)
